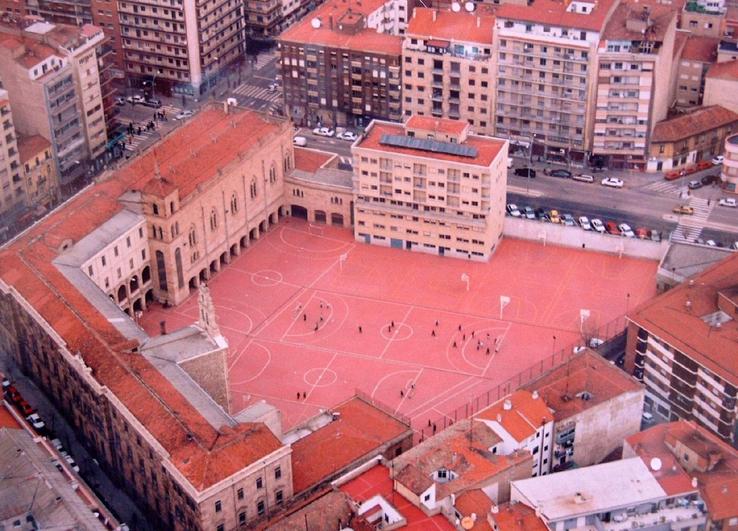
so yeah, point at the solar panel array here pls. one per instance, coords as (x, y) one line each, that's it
(427, 144)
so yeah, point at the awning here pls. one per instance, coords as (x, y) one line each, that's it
(437, 43)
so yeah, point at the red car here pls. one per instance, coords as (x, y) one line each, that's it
(642, 233)
(672, 175)
(25, 408)
(612, 228)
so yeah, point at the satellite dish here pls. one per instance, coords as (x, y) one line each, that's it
(315, 23)
(655, 464)
(469, 6)
(456, 7)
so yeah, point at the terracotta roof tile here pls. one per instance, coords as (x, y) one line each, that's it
(457, 27)
(526, 415)
(476, 502)
(517, 517)
(700, 48)
(367, 40)
(360, 431)
(586, 371)
(487, 147)
(554, 13)
(30, 146)
(311, 160)
(441, 125)
(203, 454)
(724, 70)
(667, 317)
(661, 16)
(693, 123)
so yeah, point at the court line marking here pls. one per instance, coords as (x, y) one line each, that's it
(391, 340)
(419, 407)
(406, 394)
(299, 314)
(389, 375)
(258, 374)
(321, 377)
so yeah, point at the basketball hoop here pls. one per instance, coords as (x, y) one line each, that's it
(465, 278)
(342, 259)
(504, 301)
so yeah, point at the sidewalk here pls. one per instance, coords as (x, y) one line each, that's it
(114, 498)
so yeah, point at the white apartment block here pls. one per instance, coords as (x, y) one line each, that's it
(449, 66)
(633, 89)
(545, 88)
(429, 185)
(11, 184)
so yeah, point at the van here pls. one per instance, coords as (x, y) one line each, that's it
(583, 177)
(300, 141)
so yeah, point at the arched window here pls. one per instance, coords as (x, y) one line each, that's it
(252, 188)
(213, 219)
(234, 203)
(155, 208)
(272, 174)
(192, 237)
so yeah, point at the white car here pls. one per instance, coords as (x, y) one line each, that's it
(69, 459)
(183, 115)
(711, 243)
(584, 223)
(612, 182)
(626, 231)
(136, 99)
(56, 443)
(598, 226)
(120, 101)
(323, 131)
(718, 160)
(528, 213)
(347, 135)
(512, 210)
(35, 421)
(300, 141)
(727, 202)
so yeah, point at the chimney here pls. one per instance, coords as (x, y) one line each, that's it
(330, 22)
(479, 22)
(507, 404)
(163, 328)
(535, 395)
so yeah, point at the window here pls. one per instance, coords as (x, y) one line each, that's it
(277, 472)
(278, 497)
(213, 219)
(234, 204)
(260, 508)
(239, 494)
(89, 270)
(242, 518)
(218, 506)
(155, 208)
(259, 483)
(252, 188)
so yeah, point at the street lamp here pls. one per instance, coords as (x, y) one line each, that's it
(153, 83)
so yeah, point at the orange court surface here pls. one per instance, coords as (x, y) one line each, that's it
(307, 310)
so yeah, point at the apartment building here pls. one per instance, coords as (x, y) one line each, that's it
(73, 13)
(729, 172)
(703, 21)
(182, 47)
(449, 66)
(51, 72)
(698, 54)
(341, 65)
(429, 185)
(721, 83)
(693, 137)
(12, 197)
(681, 345)
(38, 172)
(634, 82)
(152, 231)
(264, 17)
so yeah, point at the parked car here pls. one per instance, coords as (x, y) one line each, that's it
(711, 243)
(655, 235)
(612, 182)
(300, 141)
(718, 160)
(56, 443)
(584, 178)
(727, 202)
(273, 87)
(347, 135)
(647, 417)
(568, 220)
(529, 213)
(709, 179)
(120, 101)
(642, 233)
(703, 165)
(183, 115)
(542, 215)
(69, 459)
(153, 103)
(554, 215)
(612, 228)
(136, 99)
(694, 185)
(12, 394)
(598, 226)
(35, 421)
(525, 172)
(564, 174)
(672, 175)
(584, 223)
(625, 230)
(734, 246)
(6, 384)
(323, 131)
(512, 210)
(683, 209)
(25, 408)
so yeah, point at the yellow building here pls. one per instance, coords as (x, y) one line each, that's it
(39, 172)
(429, 185)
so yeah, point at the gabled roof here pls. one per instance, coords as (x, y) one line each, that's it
(554, 13)
(693, 123)
(526, 414)
(429, 23)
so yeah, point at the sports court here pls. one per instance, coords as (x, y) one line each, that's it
(308, 310)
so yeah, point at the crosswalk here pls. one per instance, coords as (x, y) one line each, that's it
(689, 227)
(665, 187)
(134, 141)
(263, 59)
(252, 91)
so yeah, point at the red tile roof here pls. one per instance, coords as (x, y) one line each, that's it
(586, 371)
(523, 419)
(517, 517)
(311, 160)
(724, 70)
(30, 146)
(440, 125)
(360, 432)
(718, 486)
(203, 454)
(554, 13)
(474, 502)
(667, 317)
(700, 48)
(693, 123)
(459, 27)
(661, 16)
(487, 148)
